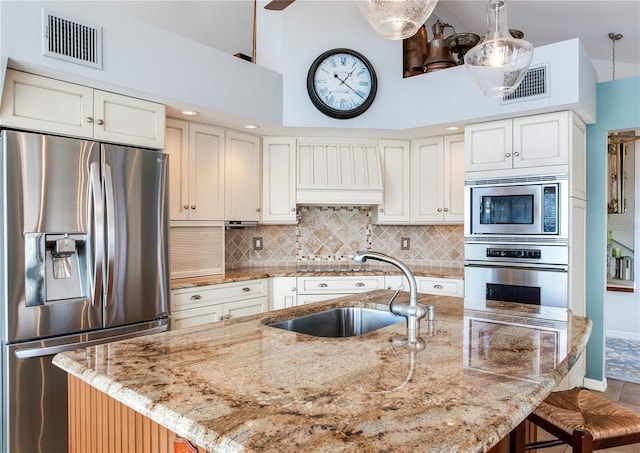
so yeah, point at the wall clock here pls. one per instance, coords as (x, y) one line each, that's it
(342, 83)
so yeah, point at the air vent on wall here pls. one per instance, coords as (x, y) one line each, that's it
(533, 86)
(70, 40)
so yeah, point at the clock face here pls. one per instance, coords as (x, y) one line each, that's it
(341, 83)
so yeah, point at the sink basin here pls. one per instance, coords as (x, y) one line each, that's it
(339, 322)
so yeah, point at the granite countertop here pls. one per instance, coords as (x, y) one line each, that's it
(251, 273)
(240, 385)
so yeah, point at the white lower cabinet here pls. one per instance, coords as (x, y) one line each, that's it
(315, 289)
(428, 285)
(205, 304)
(283, 292)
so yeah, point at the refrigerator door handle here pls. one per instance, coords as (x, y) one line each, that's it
(111, 228)
(98, 219)
(29, 353)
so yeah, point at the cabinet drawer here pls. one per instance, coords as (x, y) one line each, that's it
(206, 295)
(445, 287)
(346, 285)
(196, 316)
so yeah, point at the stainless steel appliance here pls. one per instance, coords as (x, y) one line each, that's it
(498, 274)
(531, 206)
(84, 260)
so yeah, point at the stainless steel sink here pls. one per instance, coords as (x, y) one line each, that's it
(339, 322)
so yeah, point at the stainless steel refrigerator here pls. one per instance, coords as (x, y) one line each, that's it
(84, 260)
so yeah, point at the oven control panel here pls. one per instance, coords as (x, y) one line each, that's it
(514, 253)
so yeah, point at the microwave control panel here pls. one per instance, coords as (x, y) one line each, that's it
(513, 253)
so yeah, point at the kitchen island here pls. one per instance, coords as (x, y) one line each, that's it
(240, 385)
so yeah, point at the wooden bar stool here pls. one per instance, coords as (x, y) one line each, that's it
(584, 420)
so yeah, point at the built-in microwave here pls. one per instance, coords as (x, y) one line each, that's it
(517, 206)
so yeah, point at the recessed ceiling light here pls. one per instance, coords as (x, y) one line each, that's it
(251, 126)
(452, 128)
(190, 112)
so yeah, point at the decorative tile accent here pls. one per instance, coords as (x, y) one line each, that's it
(330, 235)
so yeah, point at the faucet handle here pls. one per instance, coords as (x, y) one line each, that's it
(400, 288)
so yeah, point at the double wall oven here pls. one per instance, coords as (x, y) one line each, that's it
(516, 243)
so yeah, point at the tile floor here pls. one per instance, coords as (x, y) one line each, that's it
(624, 393)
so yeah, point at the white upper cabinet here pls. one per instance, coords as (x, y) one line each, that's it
(243, 176)
(396, 171)
(196, 164)
(437, 180)
(531, 145)
(423, 181)
(41, 104)
(278, 181)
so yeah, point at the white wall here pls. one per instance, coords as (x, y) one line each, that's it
(144, 61)
(435, 98)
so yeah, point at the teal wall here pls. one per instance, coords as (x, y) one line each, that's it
(618, 108)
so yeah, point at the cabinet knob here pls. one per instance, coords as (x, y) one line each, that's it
(437, 286)
(196, 297)
(293, 209)
(293, 289)
(381, 210)
(89, 119)
(246, 289)
(359, 284)
(257, 209)
(516, 154)
(100, 122)
(446, 209)
(193, 206)
(322, 285)
(222, 318)
(186, 206)
(439, 209)
(508, 155)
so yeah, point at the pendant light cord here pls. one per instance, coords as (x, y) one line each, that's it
(614, 37)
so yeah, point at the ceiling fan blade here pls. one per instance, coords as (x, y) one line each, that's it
(278, 5)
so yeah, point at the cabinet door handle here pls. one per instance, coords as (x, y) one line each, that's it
(381, 210)
(516, 154)
(186, 206)
(193, 206)
(437, 286)
(293, 209)
(196, 297)
(222, 318)
(100, 122)
(439, 209)
(246, 289)
(257, 209)
(322, 285)
(446, 209)
(508, 155)
(89, 120)
(359, 284)
(293, 289)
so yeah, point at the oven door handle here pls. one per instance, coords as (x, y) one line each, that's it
(519, 266)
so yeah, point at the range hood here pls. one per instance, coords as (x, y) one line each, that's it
(338, 172)
(230, 224)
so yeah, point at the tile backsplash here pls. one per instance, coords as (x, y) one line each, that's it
(328, 235)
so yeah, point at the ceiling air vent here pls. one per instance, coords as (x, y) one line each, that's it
(533, 86)
(70, 40)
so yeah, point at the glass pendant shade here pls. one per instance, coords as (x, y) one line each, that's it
(397, 19)
(499, 62)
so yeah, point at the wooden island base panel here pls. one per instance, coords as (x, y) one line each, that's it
(99, 423)
(243, 386)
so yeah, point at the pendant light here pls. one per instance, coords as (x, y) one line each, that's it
(499, 62)
(397, 19)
